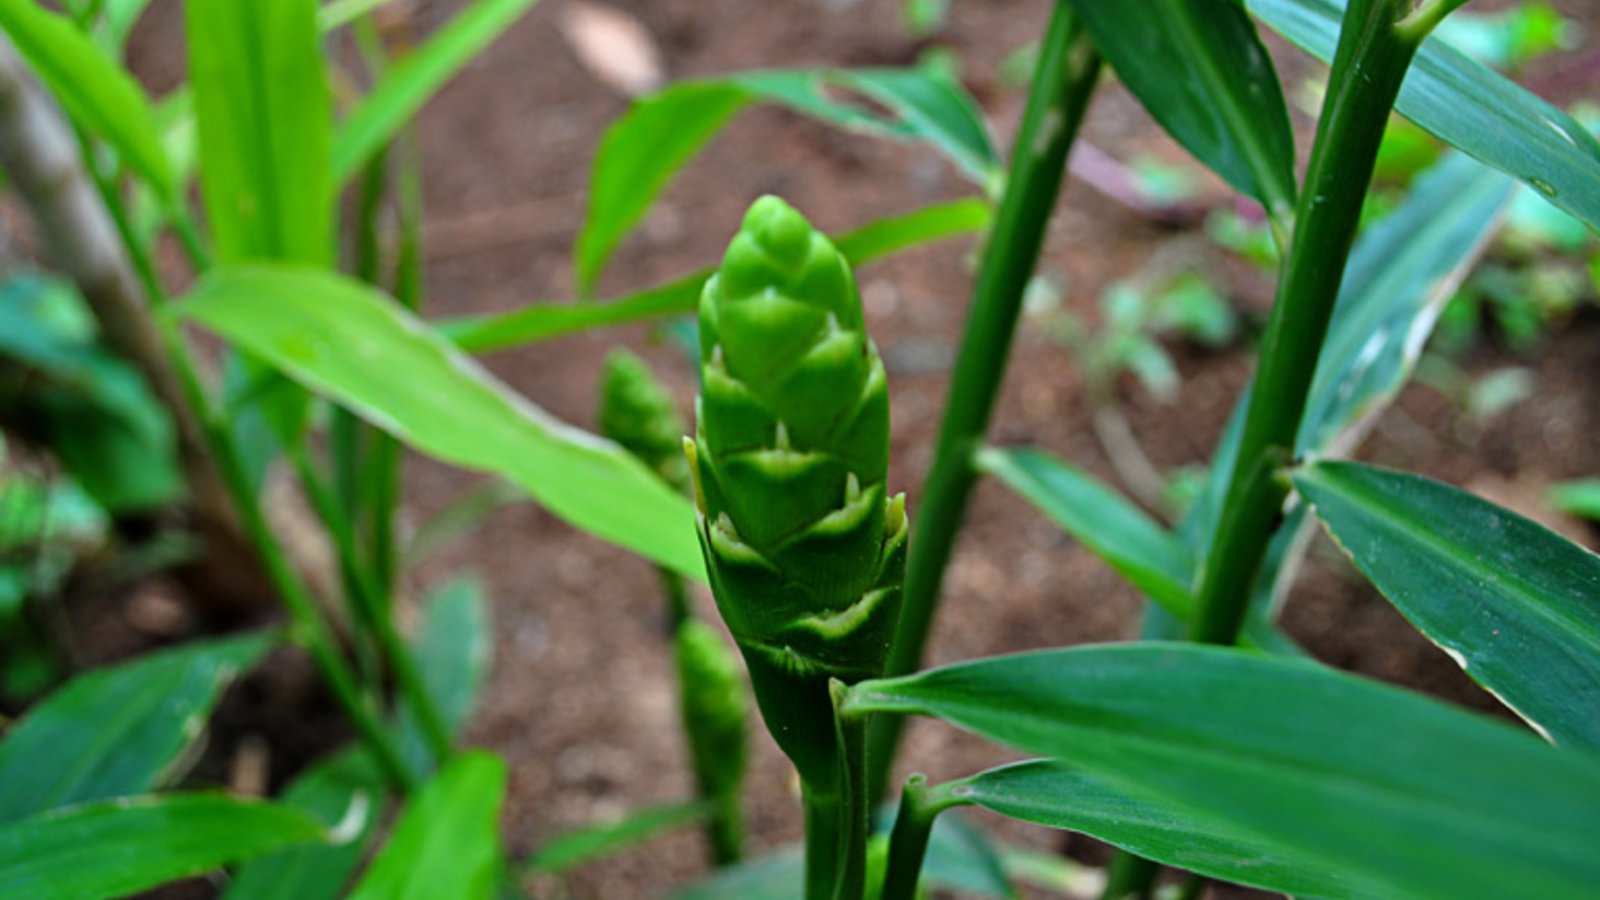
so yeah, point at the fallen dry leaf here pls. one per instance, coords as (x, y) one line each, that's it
(614, 46)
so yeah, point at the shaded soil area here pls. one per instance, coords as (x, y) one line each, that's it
(581, 702)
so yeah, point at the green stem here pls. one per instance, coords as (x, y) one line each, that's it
(183, 225)
(822, 841)
(855, 823)
(920, 805)
(1426, 17)
(1063, 83)
(373, 607)
(1130, 877)
(1368, 68)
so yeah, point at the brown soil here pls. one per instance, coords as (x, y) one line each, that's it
(581, 702)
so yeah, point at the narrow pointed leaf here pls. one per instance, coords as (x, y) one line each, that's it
(120, 847)
(99, 95)
(345, 792)
(643, 149)
(1200, 69)
(1143, 552)
(1396, 795)
(264, 118)
(117, 731)
(1056, 795)
(543, 321)
(1515, 604)
(446, 842)
(397, 96)
(1469, 106)
(342, 339)
(1579, 497)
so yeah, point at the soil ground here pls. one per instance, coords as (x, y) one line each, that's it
(581, 700)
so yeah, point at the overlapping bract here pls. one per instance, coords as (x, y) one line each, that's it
(804, 549)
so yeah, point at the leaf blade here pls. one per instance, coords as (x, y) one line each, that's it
(1511, 601)
(355, 345)
(128, 724)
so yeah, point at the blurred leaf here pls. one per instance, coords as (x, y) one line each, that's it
(446, 842)
(453, 651)
(346, 793)
(643, 149)
(415, 78)
(1053, 794)
(637, 155)
(120, 847)
(264, 118)
(1509, 38)
(1497, 391)
(924, 18)
(1511, 602)
(1200, 69)
(119, 730)
(119, 17)
(335, 14)
(1535, 220)
(775, 876)
(1389, 793)
(1402, 270)
(99, 95)
(543, 321)
(1580, 497)
(597, 841)
(1470, 107)
(961, 857)
(363, 350)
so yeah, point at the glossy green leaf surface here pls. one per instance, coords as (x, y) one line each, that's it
(1393, 794)
(417, 76)
(95, 91)
(642, 150)
(1134, 544)
(1402, 270)
(120, 847)
(117, 731)
(1053, 794)
(1516, 605)
(1200, 69)
(446, 842)
(544, 321)
(346, 793)
(1469, 106)
(264, 119)
(453, 651)
(362, 349)
(605, 838)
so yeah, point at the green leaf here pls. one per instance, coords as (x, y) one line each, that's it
(119, 18)
(1402, 270)
(1393, 794)
(344, 340)
(345, 792)
(98, 94)
(416, 77)
(1470, 107)
(543, 321)
(597, 841)
(1055, 795)
(446, 842)
(775, 876)
(1512, 602)
(117, 731)
(453, 651)
(120, 847)
(1200, 69)
(1579, 497)
(264, 118)
(1143, 552)
(659, 134)
(636, 157)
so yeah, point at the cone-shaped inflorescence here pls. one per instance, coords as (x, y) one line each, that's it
(804, 548)
(715, 708)
(637, 412)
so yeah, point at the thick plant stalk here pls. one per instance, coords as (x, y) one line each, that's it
(1063, 82)
(41, 159)
(804, 548)
(1368, 68)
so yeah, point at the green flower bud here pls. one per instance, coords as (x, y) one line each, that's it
(715, 709)
(805, 550)
(637, 412)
